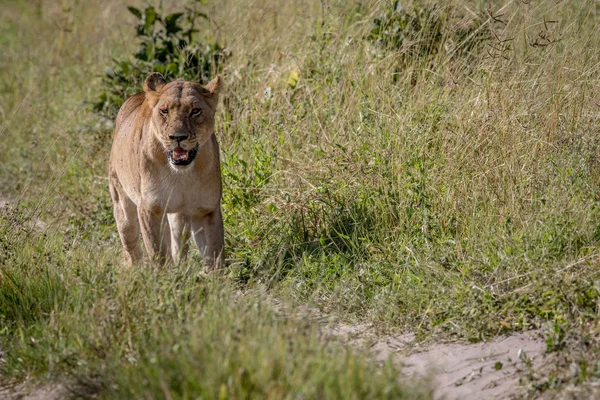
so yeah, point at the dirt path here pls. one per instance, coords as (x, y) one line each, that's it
(39, 392)
(478, 371)
(458, 371)
(489, 370)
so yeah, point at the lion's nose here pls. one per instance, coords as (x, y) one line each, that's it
(178, 137)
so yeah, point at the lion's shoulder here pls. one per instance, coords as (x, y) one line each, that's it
(135, 107)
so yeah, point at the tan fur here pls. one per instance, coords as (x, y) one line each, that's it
(168, 203)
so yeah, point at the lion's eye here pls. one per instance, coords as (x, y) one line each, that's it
(196, 112)
(164, 112)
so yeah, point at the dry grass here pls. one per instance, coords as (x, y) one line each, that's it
(453, 193)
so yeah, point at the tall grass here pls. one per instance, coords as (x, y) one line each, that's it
(71, 309)
(448, 191)
(445, 191)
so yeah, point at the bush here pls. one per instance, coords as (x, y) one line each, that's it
(167, 45)
(421, 31)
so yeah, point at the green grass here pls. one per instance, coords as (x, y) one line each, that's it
(449, 194)
(447, 197)
(69, 309)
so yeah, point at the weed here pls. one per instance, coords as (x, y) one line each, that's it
(420, 31)
(166, 45)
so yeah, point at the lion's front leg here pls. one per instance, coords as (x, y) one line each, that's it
(209, 237)
(125, 212)
(180, 236)
(155, 232)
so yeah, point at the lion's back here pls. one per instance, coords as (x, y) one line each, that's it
(130, 110)
(127, 142)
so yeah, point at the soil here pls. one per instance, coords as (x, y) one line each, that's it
(485, 370)
(49, 391)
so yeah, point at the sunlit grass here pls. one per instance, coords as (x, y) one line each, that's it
(449, 194)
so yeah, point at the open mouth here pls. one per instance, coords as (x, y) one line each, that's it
(180, 156)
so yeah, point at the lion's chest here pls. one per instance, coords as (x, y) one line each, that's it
(186, 193)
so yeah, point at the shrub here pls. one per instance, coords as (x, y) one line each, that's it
(421, 31)
(167, 45)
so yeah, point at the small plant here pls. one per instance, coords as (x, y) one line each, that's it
(247, 179)
(420, 31)
(167, 45)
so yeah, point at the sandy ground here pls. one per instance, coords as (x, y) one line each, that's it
(40, 392)
(487, 370)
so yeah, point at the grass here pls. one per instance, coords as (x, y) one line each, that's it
(69, 309)
(452, 192)
(445, 194)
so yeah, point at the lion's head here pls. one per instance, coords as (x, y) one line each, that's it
(182, 114)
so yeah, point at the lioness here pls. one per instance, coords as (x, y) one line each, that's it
(164, 171)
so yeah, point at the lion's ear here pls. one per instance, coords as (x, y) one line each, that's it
(154, 82)
(215, 87)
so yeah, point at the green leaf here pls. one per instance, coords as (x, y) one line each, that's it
(171, 24)
(150, 15)
(159, 68)
(173, 68)
(149, 50)
(135, 11)
(293, 79)
(322, 240)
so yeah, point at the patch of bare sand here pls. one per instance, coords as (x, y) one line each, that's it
(49, 391)
(486, 370)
